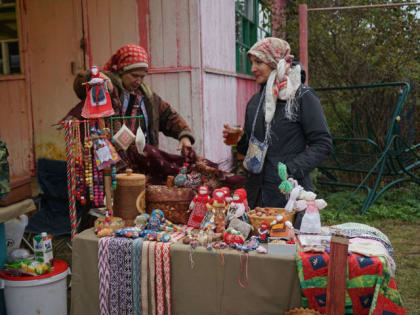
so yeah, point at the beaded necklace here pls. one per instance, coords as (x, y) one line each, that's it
(88, 162)
(80, 173)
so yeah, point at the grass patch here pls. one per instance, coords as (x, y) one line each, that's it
(397, 214)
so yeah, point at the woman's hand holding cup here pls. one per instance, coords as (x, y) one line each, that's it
(232, 134)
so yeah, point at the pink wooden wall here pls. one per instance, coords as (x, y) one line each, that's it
(173, 41)
(53, 46)
(245, 89)
(15, 122)
(110, 25)
(219, 77)
(192, 49)
(15, 111)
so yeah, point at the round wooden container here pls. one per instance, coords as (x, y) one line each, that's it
(130, 186)
(173, 201)
(256, 220)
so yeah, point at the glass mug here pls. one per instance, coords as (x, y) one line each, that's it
(234, 133)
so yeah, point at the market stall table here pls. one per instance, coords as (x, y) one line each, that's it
(16, 209)
(210, 287)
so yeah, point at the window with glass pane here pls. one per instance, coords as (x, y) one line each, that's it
(253, 22)
(9, 41)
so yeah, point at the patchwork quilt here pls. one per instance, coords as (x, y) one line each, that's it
(370, 287)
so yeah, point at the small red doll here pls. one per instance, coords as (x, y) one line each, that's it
(228, 198)
(98, 102)
(245, 197)
(198, 207)
(264, 231)
(237, 207)
(217, 206)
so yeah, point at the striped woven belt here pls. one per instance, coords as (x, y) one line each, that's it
(104, 271)
(167, 272)
(144, 278)
(152, 277)
(136, 257)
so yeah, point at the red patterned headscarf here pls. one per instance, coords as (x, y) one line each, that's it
(283, 80)
(127, 58)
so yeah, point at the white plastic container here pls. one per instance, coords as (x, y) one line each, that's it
(46, 294)
(14, 232)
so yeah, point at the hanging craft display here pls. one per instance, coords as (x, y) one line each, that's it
(105, 153)
(98, 102)
(124, 137)
(140, 140)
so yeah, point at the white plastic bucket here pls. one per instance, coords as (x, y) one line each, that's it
(46, 296)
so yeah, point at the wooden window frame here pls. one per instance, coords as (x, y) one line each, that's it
(5, 68)
(249, 28)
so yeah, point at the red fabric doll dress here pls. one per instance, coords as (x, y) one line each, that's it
(198, 207)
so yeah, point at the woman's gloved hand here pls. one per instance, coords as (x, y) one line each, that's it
(184, 142)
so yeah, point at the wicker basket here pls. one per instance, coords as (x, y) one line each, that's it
(255, 220)
(173, 201)
(302, 311)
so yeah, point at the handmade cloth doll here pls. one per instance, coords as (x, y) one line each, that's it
(228, 198)
(155, 220)
(198, 207)
(294, 194)
(98, 102)
(217, 207)
(263, 232)
(280, 227)
(237, 207)
(285, 186)
(245, 197)
(181, 178)
(233, 236)
(311, 221)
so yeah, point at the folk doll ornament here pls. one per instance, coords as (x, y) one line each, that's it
(280, 227)
(237, 207)
(140, 140)
(105, 153)
(181, 178)
(294, 194)
(157, 218)
(242, 191)
(263, 232)
(198, 207)
(285, 186)
(233, 236)
(124, 137)
(311, 221)
(228, 198)
(218, 206)
(215, 217)
(98, 102)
